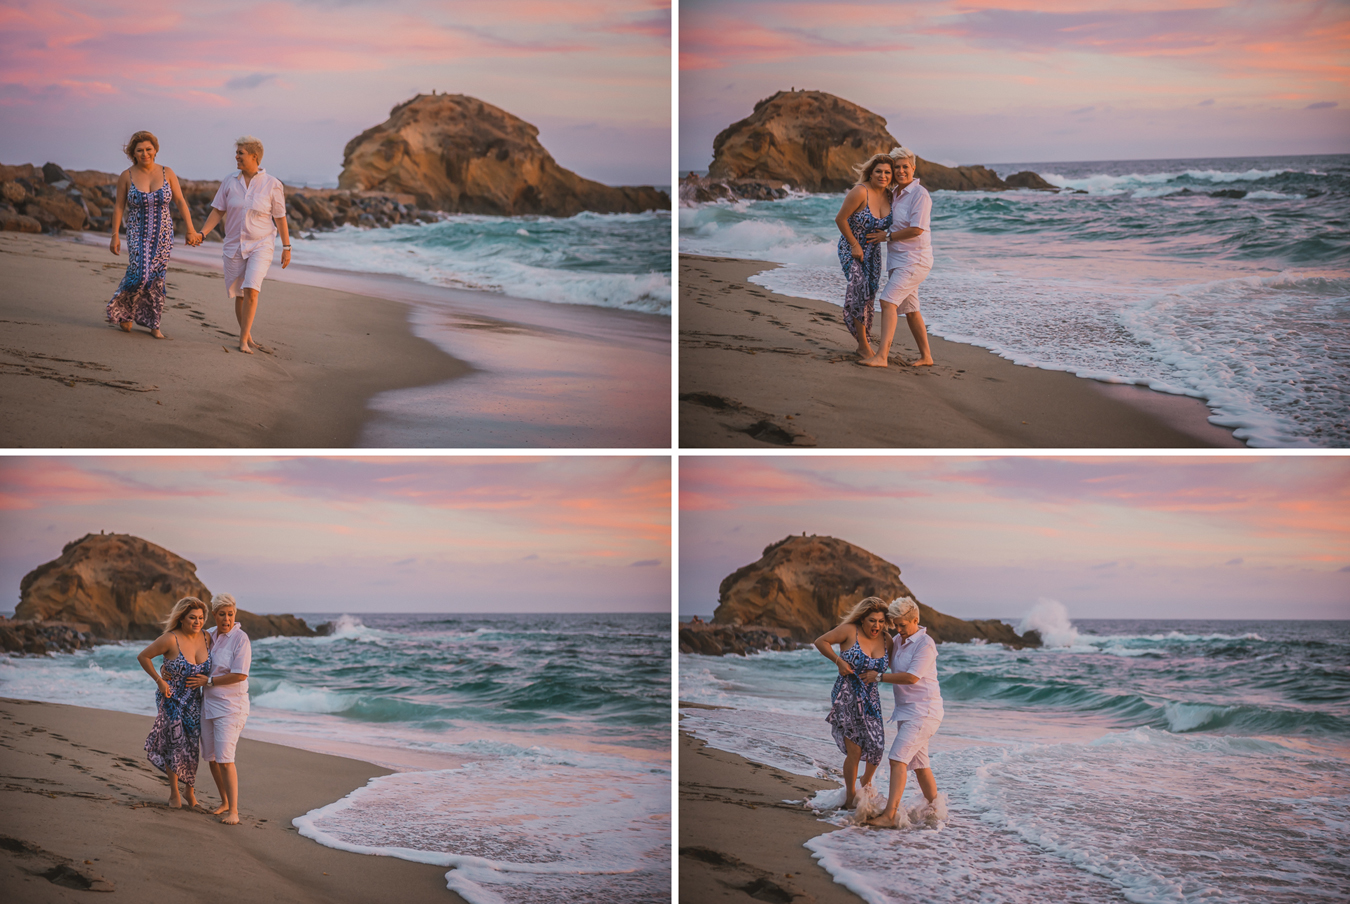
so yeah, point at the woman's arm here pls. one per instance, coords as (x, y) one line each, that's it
(181, 202)
(852, 201)
(119, 205)
(840, 635)
(159, 648)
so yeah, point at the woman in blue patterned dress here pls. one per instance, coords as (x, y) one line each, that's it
(175, 739)
(855, 714)
(140, 296)
(865, 213)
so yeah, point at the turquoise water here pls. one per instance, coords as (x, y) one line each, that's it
(617, 261)
(533, 750)
(1145, 761)
(1223, 279)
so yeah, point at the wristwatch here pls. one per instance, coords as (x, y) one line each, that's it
(210, 681)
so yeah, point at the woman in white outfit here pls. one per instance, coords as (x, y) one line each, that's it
(225, 703)
(918, 706)
(253, 205)
(909, 257)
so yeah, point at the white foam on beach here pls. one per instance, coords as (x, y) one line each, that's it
(542, 827)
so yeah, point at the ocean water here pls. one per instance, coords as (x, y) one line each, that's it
(1140, 761)
(1227, 280)
(608, 260)
(533, 751)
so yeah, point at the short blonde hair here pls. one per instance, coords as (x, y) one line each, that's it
(181, 609)
(902, 153)
(250, 145)
(863, 609)
(903, 609)
(864, 169)
(137, 138)
(223, 601)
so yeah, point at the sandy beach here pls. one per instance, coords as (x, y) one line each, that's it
(341, 351)
(739, 840)
(84, 811)
(763, 370)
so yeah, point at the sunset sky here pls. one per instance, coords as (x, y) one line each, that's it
(567, 534)
(77, 77)
(1005, 81)
(1156, 537)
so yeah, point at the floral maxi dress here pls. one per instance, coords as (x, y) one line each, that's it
(140, 295)
(864, 278)
(856, 711)
(175, 738)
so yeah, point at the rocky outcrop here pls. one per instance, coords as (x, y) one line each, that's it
(807, 584)
(719, 640)
(122, 587)
(42, 637)
(810, 141)
(458, 154)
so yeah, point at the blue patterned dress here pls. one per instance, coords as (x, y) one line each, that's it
(149, 219)
(864, 279)
(175, 738)
(856, 711)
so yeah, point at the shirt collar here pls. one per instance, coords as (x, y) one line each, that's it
(921, 632)
(912, 183)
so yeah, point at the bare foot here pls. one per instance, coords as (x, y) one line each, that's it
(175, 801)
(882, 820)
(231, 819)
(125, 325)
(848, 804)
(243, 347)
(192, 801)
(220, 809)
(922, 362)
(158, 335)
(874, 361)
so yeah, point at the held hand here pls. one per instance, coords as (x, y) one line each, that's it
(845, 668)
(196, 680)
(870, 677)
(880, 235)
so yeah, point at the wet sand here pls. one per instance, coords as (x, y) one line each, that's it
(739, 841)
(82, 810)
(763, 370)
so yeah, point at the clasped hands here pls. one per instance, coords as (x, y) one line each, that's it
(195, 238)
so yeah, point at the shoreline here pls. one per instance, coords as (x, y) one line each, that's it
(351, 361)
(738, 840)
(85, 810)
(743, 371)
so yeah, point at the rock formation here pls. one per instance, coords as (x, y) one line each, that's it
(458, 154)
(810, 141)
(806, 584)
(121, 587)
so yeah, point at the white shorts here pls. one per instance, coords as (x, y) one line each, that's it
(911, 741)
(246, 273)
(220, 735)
(902, 287)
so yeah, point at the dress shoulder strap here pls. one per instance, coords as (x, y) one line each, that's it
(176, 645)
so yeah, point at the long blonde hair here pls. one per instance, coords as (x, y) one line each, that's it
(864, 609)
(180, 609)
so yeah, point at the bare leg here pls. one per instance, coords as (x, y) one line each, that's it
(889, 318)
(899, 772)
(125, 325)
(850, 771)
(927, 784)
(175, 799)
(245, 308)
(870, 771)
(219, 778)
(231, 793)
(920, 331)
(191, 795)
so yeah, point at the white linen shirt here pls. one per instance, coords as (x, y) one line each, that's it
(916, 655)
(249, 210)
(230, 654)
(912, 207)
